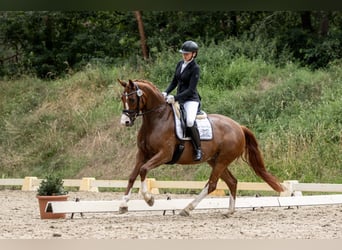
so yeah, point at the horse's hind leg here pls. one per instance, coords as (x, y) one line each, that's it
(186, 211)
(231, 182)
(209, 187)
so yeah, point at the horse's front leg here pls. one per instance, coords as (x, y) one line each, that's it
(155, 161)
(146, 195)
(133, 176)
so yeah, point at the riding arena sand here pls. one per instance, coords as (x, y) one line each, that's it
(20, 219)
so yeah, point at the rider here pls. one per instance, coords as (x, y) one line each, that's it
(186, 78)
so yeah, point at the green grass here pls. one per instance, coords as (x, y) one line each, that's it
(71, 125)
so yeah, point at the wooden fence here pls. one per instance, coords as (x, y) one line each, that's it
(293, 187)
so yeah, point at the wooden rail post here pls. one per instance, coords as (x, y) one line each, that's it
(290, 191)
(86, 185)
(152, 186)
(219, 191)
(30, 184)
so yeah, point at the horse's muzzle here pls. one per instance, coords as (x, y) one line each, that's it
(126, 121)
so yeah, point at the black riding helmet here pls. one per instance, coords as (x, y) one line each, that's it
(188, 47)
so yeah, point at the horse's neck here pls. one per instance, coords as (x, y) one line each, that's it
(156, 110)
(154, 101)
(161, 114)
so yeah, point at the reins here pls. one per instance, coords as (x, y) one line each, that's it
(152, 110)
(133, 113)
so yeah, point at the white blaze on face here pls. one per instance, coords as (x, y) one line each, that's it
(124, 118)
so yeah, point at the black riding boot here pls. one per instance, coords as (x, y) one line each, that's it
(196, 142)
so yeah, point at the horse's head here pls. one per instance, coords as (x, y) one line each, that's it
(132, 102)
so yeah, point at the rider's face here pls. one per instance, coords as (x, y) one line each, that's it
(187, 56)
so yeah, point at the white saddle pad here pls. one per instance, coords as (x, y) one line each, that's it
(203, 124)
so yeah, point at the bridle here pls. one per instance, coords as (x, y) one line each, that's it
(133, 114)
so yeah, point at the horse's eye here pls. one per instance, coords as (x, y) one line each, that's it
(131, 100)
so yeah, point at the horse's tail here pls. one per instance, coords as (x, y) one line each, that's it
(254, 158)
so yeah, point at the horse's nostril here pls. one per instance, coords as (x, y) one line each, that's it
(127, 123)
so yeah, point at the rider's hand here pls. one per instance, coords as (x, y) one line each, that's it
(170, 99)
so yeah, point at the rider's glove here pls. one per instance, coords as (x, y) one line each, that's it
(170, 99)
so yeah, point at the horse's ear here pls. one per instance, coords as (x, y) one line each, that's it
(124, 84)
(131, 83)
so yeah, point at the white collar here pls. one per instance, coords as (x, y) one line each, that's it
(186, 63)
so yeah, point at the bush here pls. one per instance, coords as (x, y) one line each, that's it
(51, 185)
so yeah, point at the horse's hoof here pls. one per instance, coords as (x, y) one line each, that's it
(184, 213)
(123, 210)
(150, 202)
(227, 215)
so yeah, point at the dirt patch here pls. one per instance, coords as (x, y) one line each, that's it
(19, 219)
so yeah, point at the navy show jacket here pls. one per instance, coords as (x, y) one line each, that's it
(186, 82)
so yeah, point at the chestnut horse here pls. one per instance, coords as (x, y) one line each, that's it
(157, 143)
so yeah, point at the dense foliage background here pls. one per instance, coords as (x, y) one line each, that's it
(274, 72)
(52, 44)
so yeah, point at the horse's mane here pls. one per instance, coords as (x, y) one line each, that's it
(154, 87)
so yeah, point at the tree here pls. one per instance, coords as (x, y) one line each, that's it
(306, 21)
(143, 43)
(324, 29)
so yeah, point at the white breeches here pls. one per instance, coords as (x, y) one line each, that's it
(191, 108)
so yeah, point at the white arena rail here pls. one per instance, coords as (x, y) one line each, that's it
(294, 188)
(178, 204)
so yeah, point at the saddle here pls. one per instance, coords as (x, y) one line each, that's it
(202, 121)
